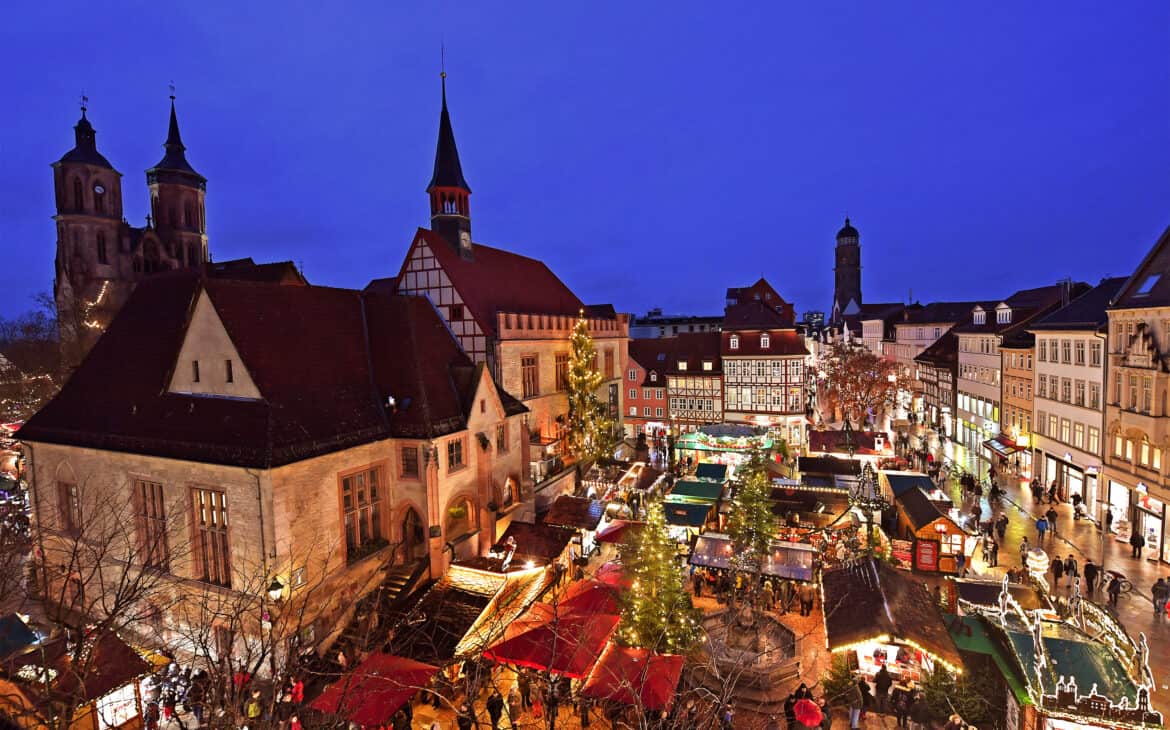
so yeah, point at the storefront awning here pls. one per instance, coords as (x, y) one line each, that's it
(635, 677)
(714, 472)
(1002, 445)
(619, 531)
(687, 515)
(375, 689)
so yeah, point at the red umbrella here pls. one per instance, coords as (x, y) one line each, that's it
(807, 713)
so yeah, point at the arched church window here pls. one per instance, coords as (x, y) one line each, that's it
(101, 249)
(99, 199)
(192, 255)
(78, 195)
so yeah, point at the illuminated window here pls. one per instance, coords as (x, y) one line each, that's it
(212, 560)
(362, 504)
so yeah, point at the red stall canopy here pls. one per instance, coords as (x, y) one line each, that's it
(589, 597)
(612, 574)
(569, 645)
(637, 677)
(375, 689)
(618, 531)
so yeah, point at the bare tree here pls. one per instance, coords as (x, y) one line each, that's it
(860, 382)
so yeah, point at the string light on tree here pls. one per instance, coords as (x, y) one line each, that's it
(657, 613)
(590, 426)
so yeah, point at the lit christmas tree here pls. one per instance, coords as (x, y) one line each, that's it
(590, 427)
(657, 612)
(750, 523)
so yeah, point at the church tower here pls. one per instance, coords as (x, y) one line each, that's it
(177, 194)
(88, 192)
(847, 273)
(449, 193)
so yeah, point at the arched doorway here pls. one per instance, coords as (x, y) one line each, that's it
(459, 523)
(414, 541)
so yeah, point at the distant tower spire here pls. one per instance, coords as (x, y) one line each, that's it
(847, 272)
(448, 190)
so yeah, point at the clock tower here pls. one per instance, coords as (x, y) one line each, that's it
(449, 193)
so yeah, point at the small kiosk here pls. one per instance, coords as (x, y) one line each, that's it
(937, 539)
(879, 616)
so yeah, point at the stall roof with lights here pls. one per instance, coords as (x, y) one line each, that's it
(710, 491)
(869, 601)
(576, 512)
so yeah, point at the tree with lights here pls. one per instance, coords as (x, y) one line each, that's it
(657, 613)
(750, 522)
(859, 381)
(590, 426)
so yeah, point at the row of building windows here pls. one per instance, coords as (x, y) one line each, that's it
(1138, 452)
(985, 345)
(1139, 393)
(1067, 352)
(1020, 360)
(647, 394)
(692, 404)
(979, 406)
(646, 411)
(1019, 388)
(763, 398)
(791, 370)
(990, 376)
(530, 372)
(1067, 390)
(1071, 433)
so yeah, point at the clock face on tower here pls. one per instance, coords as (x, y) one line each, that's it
(99, 189)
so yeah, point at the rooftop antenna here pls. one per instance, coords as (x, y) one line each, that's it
(84, 102)
(171, 86)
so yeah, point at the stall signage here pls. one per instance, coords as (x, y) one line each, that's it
(903, 553)
(927, 555)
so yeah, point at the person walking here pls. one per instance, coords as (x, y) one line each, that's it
(1024, 548)
(1114, 589)
(1070, 569)
(993, 552)
(1052, 498)
(1160, 591)
(524, 684)
(495, 708)
(514, 708)
(1108, 520)
(1136, 542)
(1051, 516)
(769, 595)
(1057, 571)
(1001, 526)
(1091, 573)
(1041, 528)
(882, 681)
(808, 595)
(697, 582)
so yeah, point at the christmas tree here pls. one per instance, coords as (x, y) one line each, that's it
(656, 609)
(750, 522)
(590, 427)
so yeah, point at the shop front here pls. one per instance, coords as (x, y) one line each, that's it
(1149, 517)
(1118, 507)
(1070, 479)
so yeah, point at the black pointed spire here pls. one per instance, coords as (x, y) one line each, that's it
(448, 172)
(175, 159)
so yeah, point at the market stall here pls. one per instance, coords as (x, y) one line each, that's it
(635, 677)
(375, 689)
(568, 644)
(939, 541)
(725, 444)
(685, 519)
(784, 560)
(580, 514)
(878, 616)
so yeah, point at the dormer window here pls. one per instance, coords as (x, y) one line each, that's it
(765, 341)
(653, 377)
(195, 371)
(980, 317)
(228, 371)
(708, 365)
(1147, 285)
(1003, 316)
(682, 364)
(734, 342)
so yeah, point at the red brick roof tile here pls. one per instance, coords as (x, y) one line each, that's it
(324, 360)
(494, 280)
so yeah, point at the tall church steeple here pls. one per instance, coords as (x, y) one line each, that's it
(178, 200)
(449, 193)
(847, 272)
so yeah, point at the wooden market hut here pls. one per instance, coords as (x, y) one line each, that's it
(878, 615)
(938, 541)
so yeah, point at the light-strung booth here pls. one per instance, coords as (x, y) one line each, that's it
(879, 616)
(784, 560)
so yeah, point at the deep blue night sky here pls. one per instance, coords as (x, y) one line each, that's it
(651, 155)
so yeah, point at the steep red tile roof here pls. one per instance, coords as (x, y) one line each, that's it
(781, 343)
(324, 360)
(245, 269)
(494, 280)
(694, 348)
(753, 315)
